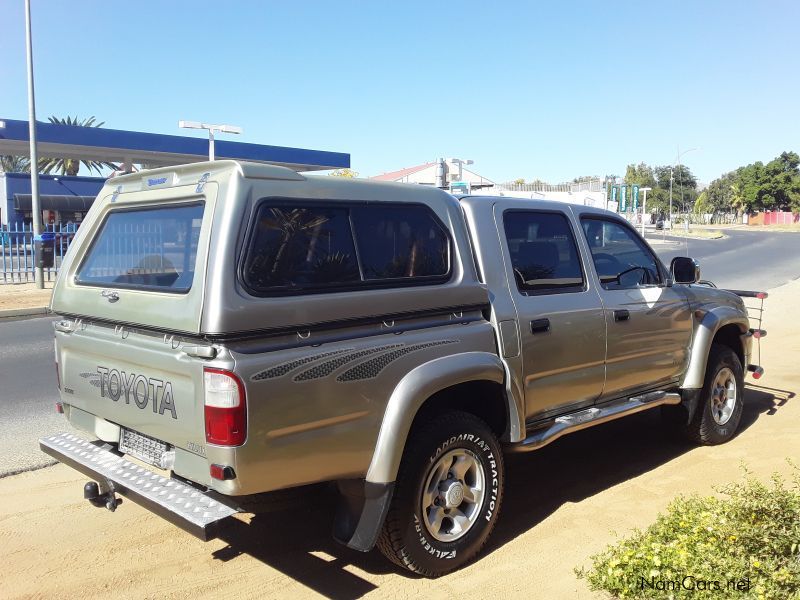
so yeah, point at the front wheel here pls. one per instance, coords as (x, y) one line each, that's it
(721, 400)
(447, 496)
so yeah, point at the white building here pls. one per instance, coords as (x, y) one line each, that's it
(441, 173)
(445, 172)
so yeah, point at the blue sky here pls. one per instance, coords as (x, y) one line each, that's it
(535, 90)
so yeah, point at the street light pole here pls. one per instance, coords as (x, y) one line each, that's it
(211, 130)
(35, 205)
(671, 170)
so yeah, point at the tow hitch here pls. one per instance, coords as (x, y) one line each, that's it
(107, 498)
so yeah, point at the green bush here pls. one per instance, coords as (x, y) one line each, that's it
(744, 543)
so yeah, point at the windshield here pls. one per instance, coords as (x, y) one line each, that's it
(152, 248)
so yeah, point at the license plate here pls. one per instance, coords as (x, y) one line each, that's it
(145, 448)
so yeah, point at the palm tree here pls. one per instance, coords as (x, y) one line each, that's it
(15, 164)
(71, 166)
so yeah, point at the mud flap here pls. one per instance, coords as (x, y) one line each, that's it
(691, 398)
(361, 512)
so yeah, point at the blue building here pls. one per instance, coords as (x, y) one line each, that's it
(66, 199)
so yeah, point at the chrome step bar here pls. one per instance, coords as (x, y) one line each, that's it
(554, 429)
(189, 508)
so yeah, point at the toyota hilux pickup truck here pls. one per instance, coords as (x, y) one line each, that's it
(227, 330)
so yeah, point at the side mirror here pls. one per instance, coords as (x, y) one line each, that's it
(684, 270)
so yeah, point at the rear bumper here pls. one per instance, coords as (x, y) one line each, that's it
(183, 505)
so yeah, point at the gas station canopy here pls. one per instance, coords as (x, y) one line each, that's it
(152, 149)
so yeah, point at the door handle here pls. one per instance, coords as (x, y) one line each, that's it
(622, 315)
(540, 325)
(64, 326)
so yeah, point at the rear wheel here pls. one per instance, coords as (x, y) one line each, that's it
(721, 400)
(447, 496)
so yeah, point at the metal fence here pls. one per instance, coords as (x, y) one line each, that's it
(592, 185)
(17, 259)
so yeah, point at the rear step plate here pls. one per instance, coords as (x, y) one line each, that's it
(181, 504)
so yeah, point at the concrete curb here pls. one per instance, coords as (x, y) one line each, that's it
(23, 312)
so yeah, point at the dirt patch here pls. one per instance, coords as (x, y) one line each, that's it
(24, 295)
(563, 504)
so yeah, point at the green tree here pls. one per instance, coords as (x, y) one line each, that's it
(15, 164)
(584, 179)
(520, 181)
(347, 173)
(720, 193)
(758, 187)
(781, 185)
(70, 166)
(641, 174)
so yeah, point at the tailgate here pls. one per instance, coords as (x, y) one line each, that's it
(136, 379)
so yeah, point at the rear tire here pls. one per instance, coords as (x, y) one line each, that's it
(447, 496)
(720, 405)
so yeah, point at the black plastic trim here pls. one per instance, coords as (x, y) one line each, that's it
(361, 511)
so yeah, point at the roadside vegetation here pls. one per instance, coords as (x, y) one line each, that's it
(752, 188)
(742, 543)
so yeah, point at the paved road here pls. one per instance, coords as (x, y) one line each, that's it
(28, 392)
(746, 260)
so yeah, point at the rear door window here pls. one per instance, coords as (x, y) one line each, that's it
(150, 248)
(543, 252)
(294, 247)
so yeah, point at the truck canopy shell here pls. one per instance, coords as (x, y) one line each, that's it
(227, 195)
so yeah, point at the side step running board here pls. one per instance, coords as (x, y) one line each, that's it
(595, 415)
(181, 504)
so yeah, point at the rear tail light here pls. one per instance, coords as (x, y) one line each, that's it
(225, 408)
(59, 408)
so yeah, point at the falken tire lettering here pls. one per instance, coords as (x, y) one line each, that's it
(490, 505)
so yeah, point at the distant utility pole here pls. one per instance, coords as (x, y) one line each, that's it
(671, 170)
(35, 205)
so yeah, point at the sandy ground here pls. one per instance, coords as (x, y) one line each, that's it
(563, 504)
(24, 295)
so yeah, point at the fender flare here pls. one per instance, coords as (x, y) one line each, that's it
(363, 504)
(706, 329)
(413, 390)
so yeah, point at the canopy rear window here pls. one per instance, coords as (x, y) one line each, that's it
(296, 247)
(150, 248)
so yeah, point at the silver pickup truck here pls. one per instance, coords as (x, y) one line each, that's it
(227, 330)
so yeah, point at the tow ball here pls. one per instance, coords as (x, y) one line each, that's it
(105, 498)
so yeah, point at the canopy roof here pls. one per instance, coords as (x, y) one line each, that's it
(153, 149)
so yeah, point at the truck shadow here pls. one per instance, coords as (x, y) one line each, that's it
(297, 541)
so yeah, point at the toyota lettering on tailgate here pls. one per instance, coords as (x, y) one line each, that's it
(116, 384)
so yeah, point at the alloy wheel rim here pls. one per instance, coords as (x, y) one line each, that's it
(723, 396)
(453, 494)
